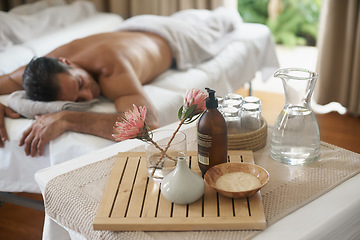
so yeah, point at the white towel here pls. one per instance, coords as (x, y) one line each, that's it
(193, 35)
(29, 108)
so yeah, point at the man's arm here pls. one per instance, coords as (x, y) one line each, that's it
(8, 84)
(5, 111)
(50, 126)
(11, 82)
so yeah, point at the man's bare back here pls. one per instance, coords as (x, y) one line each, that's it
(118, 61)
(115, 65)
(106, 53)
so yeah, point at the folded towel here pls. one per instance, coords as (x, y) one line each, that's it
(194, 35)
(29, 108)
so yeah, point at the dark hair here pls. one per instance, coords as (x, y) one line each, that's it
(40, 78)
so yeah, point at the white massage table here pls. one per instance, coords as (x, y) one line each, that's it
(236, 65)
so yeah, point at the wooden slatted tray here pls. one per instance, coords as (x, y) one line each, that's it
(132, 202)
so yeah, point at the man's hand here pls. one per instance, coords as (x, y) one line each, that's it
(41, 132)
(5, 112)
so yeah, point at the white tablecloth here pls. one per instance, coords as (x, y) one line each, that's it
(335, 215)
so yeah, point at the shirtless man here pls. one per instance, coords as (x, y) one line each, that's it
(115, 65)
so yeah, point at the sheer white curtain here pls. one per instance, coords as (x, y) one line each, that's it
(339, 55)
(128, 8)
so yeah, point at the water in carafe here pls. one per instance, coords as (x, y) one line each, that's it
(296, 137)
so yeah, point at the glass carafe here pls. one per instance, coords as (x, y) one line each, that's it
(296, 138)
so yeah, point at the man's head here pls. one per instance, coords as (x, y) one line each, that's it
(40, 78)
(50, 79)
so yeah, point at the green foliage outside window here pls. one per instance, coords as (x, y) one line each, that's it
(296, 24)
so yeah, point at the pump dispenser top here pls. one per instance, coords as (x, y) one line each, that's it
(211, 101)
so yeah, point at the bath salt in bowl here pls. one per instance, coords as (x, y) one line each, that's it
(237, 180)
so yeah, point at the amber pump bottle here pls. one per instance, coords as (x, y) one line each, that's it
(211, 135)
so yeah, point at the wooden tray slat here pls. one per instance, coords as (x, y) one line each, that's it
(164, 208)
(132, 202)
(135, 204)
(241, 207)
(125, 188)
(150, 203)
(111, 190)
(195, 209)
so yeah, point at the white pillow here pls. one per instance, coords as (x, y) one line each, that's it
(31, 8)
(19, 55)
(14, 57)
(17, 29)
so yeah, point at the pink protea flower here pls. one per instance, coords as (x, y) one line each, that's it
(195, 97)
(194, 104)
(131, 125)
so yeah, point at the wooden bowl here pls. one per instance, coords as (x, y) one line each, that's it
(212, 175)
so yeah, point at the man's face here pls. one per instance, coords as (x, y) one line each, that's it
(77, 85)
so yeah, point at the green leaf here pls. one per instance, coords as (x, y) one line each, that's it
(300, 41)
(310, 29)
(189, 111)
(287, 38)
(192, 119)
(180, 112)
(297, 24)
(253, 10)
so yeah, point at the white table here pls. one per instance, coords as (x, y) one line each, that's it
(327, 217)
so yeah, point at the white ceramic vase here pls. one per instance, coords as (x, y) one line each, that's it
(182, 185)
